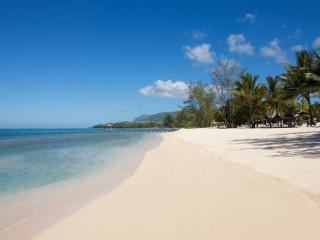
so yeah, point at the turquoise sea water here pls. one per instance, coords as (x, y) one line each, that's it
(43, 170)
(31, 158)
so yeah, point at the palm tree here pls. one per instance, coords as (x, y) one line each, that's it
(298, 81)
(273, 94)
(316, 107)
(303, 106)
(250, 92)
(290, 109)
(314, 72)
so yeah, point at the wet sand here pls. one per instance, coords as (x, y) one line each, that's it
(211, 184)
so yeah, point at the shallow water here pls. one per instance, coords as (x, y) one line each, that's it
(41, 168)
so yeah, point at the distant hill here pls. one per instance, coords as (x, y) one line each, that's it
(153, 117)
(141, 118)
(143, 121)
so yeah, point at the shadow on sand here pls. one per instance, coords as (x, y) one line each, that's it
(305, 145)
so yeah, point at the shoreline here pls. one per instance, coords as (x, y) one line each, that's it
(40, 220)
(192, 186)
(183, 191)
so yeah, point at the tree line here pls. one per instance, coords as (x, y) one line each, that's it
(235, 97)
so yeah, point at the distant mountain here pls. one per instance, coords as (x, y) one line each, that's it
(154, 117)
(141, 118)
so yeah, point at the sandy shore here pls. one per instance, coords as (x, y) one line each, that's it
(193, 187)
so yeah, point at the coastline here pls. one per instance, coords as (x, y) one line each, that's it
(184, 189)
(36, 221)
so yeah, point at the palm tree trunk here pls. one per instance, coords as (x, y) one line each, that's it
(307, 97)
(253, 125)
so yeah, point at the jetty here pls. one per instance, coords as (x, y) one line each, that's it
(121, 130)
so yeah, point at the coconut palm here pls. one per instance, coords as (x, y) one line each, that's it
(314, 72)
(273, 94)
(250, 92)
(316, 108)
(303, 106)
(290, 109)
(298, 81)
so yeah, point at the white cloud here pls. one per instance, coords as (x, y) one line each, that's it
(200, 53)
(316, 43)
(297, 48)
(166, 89)
(237, 43)
(196, 34)
(250, 17)
(273, 50)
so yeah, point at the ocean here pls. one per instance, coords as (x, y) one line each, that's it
(43, 168)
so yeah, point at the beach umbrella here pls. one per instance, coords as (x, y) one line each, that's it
(267, 119)
(109, 126)
(287, 117)
(277, 118)
(302, 114)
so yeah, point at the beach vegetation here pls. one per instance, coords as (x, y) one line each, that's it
(133, 124)
(273, 95)
(290, 109)
(223, 77)
(234, 97)
(168, 121)
(300, 80)
(200, 104)
(251, 92)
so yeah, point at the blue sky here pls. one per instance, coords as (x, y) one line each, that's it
(79, 63)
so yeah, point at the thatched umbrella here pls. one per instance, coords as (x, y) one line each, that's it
(109, 125)
(300, 116)
(288, 117)
(277, 118)
(267, 119)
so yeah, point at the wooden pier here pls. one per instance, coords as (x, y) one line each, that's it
(142, 130)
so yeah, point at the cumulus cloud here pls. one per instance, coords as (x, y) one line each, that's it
(297, 48)
(273, 50)
(201, 53)
(196, 34)
(167, 89)
(316, 43)
(250, 17)
(237, 43)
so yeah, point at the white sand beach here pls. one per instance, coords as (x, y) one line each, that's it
(211, 184)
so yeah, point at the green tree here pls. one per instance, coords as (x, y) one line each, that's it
(290, 109)
(250, 92)
(184, 118)
(223, 77)
(302, 105)
(273, 96)
(200, 103)
(298, 81)
(316, 107)
(168, 121)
